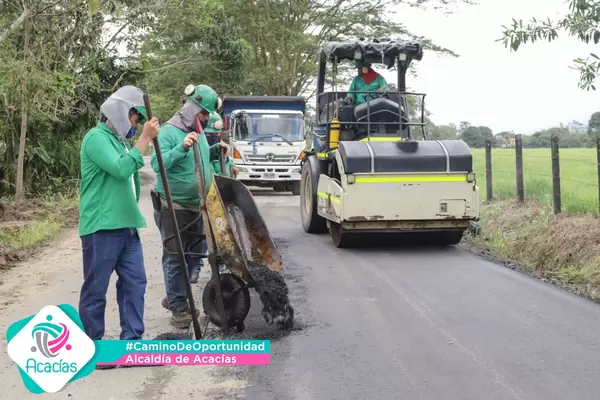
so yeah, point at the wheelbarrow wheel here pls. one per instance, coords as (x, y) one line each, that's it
(236, 299)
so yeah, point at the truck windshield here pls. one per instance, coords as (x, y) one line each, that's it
(270, 127)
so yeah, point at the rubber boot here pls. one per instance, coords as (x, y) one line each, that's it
(180, 319)
(195, 276)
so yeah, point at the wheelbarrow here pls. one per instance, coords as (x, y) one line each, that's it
(239, 238)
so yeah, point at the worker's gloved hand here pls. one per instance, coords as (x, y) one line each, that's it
(234, 172)
(348, 100)
(225, 146)
(190, 139)
(151, 128)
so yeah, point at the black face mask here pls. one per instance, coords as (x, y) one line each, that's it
(204, 124)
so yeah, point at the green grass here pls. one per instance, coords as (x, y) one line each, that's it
(36, 221)
(35, 234)
(578, 172)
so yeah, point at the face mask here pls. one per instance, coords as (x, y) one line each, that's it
(200, 125)
(131, 133)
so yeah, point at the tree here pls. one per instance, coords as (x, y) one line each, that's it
(56, 70)
(190, 42)
(576, 127)
(463, 126)
(449, 131)
(41, 78)
(571, 136)
(594, 125)
(476, 136)
(582, 21)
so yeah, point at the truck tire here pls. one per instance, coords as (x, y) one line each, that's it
(296, 188)
(312, 222)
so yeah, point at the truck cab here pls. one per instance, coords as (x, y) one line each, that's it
(267, 136)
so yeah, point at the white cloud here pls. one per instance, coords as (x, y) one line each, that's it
(487, 84)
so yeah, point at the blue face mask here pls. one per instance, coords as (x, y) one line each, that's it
(131, 133)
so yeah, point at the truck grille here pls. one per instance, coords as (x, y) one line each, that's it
(256, 158)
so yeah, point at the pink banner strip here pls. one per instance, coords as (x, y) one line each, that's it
(191, 359)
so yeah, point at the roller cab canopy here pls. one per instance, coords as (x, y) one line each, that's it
(381, 51)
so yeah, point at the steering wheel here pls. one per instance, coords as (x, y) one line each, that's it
(371, 96)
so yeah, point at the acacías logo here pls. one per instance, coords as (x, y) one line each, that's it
(50, 339)
(43, 348)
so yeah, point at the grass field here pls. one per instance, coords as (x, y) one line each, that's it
(578, 172)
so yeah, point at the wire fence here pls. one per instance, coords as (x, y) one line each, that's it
(563, 178)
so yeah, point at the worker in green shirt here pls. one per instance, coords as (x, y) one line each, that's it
(213, 128)
(109, 215)
(367, 80)
(176, 138)
(213, 131)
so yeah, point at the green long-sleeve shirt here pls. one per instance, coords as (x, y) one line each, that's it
(110, 183)
(180, 166)
(358, 84)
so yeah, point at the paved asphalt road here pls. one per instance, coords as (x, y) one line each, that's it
(385, 323)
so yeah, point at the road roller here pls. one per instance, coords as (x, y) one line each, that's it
(372, 169)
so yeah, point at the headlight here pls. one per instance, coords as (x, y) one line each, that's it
(296, 171)
(471, 177)
(241, 169)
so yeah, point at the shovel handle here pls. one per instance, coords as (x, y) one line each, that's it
(180, 250)
(222, 159)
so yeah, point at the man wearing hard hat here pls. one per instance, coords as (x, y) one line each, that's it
(213, 130)
(176, 138)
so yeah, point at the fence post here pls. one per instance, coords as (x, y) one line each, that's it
(519, 162)
(555, 175)
(598, 164)
(488, 169)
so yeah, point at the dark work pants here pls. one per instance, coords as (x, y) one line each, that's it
(118, 250)
(191, 239)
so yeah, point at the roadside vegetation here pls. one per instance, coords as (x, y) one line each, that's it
(563, 249)
(33, 223)
(560, 248)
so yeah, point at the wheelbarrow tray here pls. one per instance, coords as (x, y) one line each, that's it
(239, 230)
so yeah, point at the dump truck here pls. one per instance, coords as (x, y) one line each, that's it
(368, 173)
(267, 135)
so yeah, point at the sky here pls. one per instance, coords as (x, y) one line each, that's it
(523, 91)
